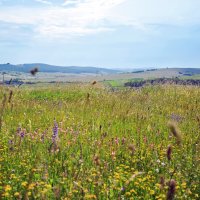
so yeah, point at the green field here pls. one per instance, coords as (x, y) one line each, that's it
(83, 141)
(120, 83)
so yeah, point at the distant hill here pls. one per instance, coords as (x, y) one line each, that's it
(166, 72)
(53, 69)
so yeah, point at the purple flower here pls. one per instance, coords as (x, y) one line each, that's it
(22, 134)
(55, 131)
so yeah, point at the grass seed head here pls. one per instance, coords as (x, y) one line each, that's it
(94, 83)
(10, 96)
(175, 131)
(162, 182)
(169, 152)
(96, 160)
(131, 148)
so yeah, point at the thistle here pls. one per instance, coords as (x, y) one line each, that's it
(171, 189)
(34, 71)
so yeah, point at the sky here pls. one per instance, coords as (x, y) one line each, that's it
(101, 33)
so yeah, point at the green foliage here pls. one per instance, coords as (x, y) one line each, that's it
(110, 145)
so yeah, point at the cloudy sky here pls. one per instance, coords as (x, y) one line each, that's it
(105, 33)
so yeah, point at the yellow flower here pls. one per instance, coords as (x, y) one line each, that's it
(184, 184)
(12, 176)
(44, 191)
(128, 194)
(157, 185)
(90, 196)
(48, 186)
(152, 192)
(7, 188)
(144, 179)
(16, 194)
(6, 194)
(24, 183)
(136, 183)
(133, 191)
(31, 186)
(86, 190)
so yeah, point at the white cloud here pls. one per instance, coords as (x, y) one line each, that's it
(87, 17)
(71, 2)
(83, 17)
(44, 2)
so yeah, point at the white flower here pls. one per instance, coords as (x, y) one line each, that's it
(157, 170)
(163, 164)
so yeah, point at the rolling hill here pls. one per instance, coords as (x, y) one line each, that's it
(53, 69)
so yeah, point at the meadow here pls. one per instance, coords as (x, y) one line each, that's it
(86, 141)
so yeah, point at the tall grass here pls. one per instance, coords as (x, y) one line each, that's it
(87, 142)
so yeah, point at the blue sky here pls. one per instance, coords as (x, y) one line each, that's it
(104, 33)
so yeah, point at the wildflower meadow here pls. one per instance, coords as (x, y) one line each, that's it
(86, 141)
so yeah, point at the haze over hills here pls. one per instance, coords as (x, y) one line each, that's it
(53, 69)
(46, 68)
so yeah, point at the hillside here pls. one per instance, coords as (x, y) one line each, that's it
(52, 69)
(49, 73)
(169, 72)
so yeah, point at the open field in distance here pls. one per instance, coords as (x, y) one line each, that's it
(123, 77)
